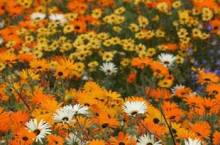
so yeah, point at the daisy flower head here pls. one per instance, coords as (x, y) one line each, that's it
(55, 140)
(37, 16)
(41, 129)
(58, 18)
(191, 141)
(64, 114)
(167, 59)
(74, 139)
(133, 108)
(79, 109)
(148, 139)
(109, 68)
(177, 87)
(96, 142)
(85, 76)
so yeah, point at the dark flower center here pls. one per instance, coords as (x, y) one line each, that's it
(60, 73)
(207, 108)
(183, 93)
(166, 62)
(215, 92)
(37, 131)
(134, 113)
(156, 120)
(215, 28)
(165, 83)
(104, 125)
(174, 130)
(207, 79)
(121, 143)
(173, 117)
(77, 27)
(65, 119)
(25, 138)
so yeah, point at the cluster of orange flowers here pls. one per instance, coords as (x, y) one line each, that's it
(109, 72)
(96, 114)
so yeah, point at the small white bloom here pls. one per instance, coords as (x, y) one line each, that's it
(148, 139)
(135, 107)
(79, 109)
(177, 87)
(58, 18)
(85, 76)
(190, 141)
(74, 139)
(109, 68)
(167, 59)
(66, 113)
(38, 16)
(41, 129)
(2, 142)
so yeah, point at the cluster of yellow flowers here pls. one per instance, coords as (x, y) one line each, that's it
(109, 72)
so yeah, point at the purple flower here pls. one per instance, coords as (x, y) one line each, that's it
(207, 70)
(209, 27)
(217, 72)
(199, 88)
(196, 63)
(204, 62)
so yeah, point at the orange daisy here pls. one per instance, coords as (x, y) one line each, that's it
(153, 126)
(216, 138)
(207, 77)
(23, 137)
(201, 129)
(97, 142)
(55, 140)
(5, 120)
(19, 119)
(122, 138)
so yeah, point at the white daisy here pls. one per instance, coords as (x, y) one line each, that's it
(135, 107)
(41, 129)
(79, 109)
(74, 139)
(167, 59)
(64, 114)
(177, 87)
(38, 16)
(148, 139)
(85, 76)
(190, 141)
(58, 18)
(109, 68)
(2, 142)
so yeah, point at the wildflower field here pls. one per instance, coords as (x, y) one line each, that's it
(109, 72)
